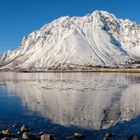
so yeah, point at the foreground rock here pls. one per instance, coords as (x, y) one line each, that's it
(6, 138)
(6, 132)
(46, 137)
(24, 134)
(24, 128)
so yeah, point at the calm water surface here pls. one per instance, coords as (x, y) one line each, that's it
(64, 103)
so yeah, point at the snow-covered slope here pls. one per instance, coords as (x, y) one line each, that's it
(97, 39)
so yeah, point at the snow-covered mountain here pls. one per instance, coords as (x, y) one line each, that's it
(97, 39)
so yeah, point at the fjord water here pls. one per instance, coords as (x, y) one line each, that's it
(64, 103)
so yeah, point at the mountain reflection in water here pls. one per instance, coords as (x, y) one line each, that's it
(87, 100)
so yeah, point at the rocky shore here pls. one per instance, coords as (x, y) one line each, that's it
(24, 133)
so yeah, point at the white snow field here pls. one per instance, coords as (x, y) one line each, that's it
(96, 39)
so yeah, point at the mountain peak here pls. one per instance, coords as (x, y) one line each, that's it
(97, 39)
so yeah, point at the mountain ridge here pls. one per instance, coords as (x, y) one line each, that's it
(75, 43)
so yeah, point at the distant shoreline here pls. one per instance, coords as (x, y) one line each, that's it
(103, 70)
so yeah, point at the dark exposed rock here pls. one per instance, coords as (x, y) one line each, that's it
(133, 137)
(6, 138)
(15, 139)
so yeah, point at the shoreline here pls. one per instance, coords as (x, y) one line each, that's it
(24, 132)
(100, 70)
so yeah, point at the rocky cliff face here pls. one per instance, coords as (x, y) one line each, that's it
(97, 39)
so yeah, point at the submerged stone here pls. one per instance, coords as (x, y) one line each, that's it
(79, 135)
(133, 137)
(108, 136)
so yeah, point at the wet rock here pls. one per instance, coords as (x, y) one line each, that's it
(15, 139)
(108, 136)
(25, 136)
(6, 138)
(40, 133)
(29, 136)
(6, 132)
(79, 135)
(24, 128)
(133, 137)
(46, 137)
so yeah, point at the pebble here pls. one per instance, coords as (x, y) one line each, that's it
(79, 135)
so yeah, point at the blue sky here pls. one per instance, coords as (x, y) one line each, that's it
(20, 17)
